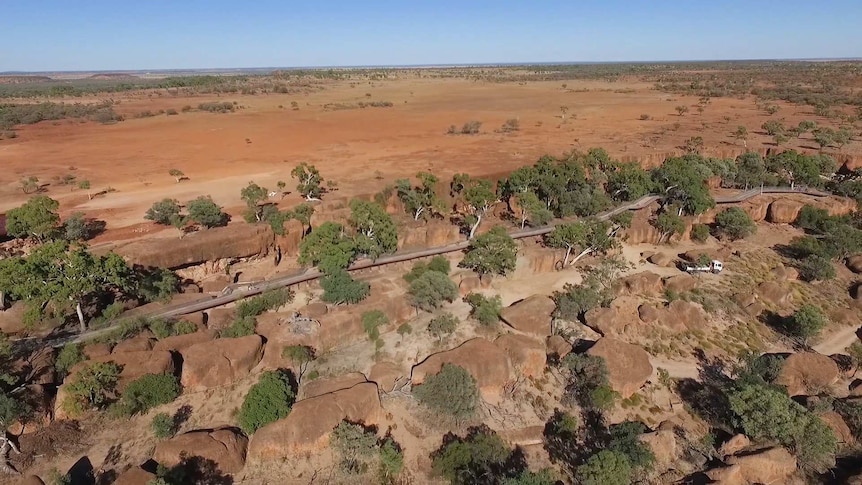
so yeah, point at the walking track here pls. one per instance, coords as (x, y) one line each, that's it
(240, 291)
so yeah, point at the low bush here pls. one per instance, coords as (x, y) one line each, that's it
(68, 356)
(485, 310)
(267, 401)
(163, 426)
(93, 387)
(147, 392)
(452, 392)
(216, 107)
(699, 233)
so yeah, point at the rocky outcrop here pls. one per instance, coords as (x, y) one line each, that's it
(182, 342)
(734, 445)
(785, 273)
(648, 313)
(628, 365)
(531, 315)
(486, 362)
(135, 476)
(139, 343)
(558, 347)
(132, 364)
(661, 259)
(680, 283)
(662, 443)
(783, 211)
(854, 263)
(226, 447)
(641, 284)
(308, 426)
(527, 355)
(775, 294)
(386, 374)
(838, 426)
(807, 373)
(12, 319)
(221, 362)
(319, 387)
(232, 241)
(681, 315)
(430, 235)
(771, 466)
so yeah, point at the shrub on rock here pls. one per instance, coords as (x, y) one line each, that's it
(267, 401)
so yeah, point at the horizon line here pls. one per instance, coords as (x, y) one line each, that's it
(424, 65)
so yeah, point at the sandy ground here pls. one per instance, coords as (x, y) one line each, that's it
(361, 149)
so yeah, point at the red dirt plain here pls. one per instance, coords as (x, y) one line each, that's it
(361, 149)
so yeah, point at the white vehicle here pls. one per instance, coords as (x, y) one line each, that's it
(713, 267)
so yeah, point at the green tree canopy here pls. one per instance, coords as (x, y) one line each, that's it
(431, 289)
(327, 247)
(806, 322)
(606, 467)
(253, 194)
(479, 457)
(494, 252)
(206, 212)
(735, 223)
(420, 201)
(477, 195)
(587, 236)
(483, 309)
(267, 401)
(339, 288)
(163, 212)
(376, 233)
(452, 392)
(37, 218)
(308, 181)
(751, 170)
(629, 182)
(533, 210)
(683, 181)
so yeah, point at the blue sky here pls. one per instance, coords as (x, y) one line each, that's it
(51, 35)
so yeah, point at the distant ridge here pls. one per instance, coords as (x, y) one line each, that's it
(267, 70)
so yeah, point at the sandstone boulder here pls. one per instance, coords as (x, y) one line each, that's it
(531, 315)
(854, 263)
(386, 374)
(846, 317)
(662, 443)
(785, 273)
(648, 313)
(681, 315)
(661, 259)
(558, 346)
(139, 343)
(621, 318)
(310, 422)
(783, 211)
(182, 342)
(838, 426)
(641, 284)
(486, 362)
(135, 476)
(775, 294)
(317, 309)
(133, 365)
(542, 261)
(91, 351)
(680, 283)
(734, 445)
(231, 241)
(319, 387)
(771, 466)
(468, 284)
(12, 318)
(807, 373)
(527, 355)
(226, 447)
(628, 365)
(220, 318)
(220, 362)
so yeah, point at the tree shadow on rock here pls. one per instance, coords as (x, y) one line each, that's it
(182, 416)
(197, 470)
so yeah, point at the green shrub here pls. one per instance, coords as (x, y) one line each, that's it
(240, 327)
(268, 300)
(587, 382)
(267, 401)
(479, 457)
(815, 268)
(391, 461)
(355, 445)
(699, 233)
(452, 391)
(162, 328)
(430, 290)
(93, 387)
(163, 426)
(606, 467)
(443, 325)
(68, 356)
(438, 263)
(148, 391)
(806, 322)
(734, 223)
(371, 321)
(340, 288)
(483, 309)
